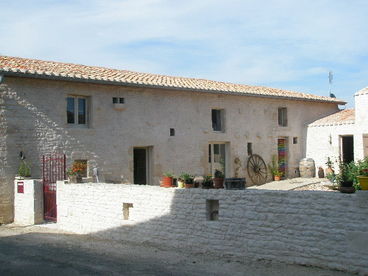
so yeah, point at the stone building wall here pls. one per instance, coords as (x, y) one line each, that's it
(33, 120)
(326, 229)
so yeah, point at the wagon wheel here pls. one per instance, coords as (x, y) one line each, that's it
(257, 169)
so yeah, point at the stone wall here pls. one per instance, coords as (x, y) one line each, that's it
(28, 202)
(326, 229)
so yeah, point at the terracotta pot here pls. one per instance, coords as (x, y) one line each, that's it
(189, 185)
(167, 182)
(277, 177)
(363, 182)
(328, 171)
(218, 183)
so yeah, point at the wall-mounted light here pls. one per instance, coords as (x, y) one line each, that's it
(22, 155)
(330, 139)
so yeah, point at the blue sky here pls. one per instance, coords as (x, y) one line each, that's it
(288, 44)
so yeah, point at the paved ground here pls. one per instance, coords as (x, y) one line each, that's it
(290, 184)
(43, 251)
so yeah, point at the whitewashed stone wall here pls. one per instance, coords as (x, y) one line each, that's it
(28, 205)
(326, 229)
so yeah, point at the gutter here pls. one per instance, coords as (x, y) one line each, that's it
(129, 84)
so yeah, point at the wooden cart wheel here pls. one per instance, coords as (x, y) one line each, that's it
(257, 169)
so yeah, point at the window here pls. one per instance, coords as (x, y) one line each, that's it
(172, 132)
(282, 114)
(212, 208)
(116, 100)
(217, 157)
(295, 140)
(76, 110)
(249, 149)
(218, 119)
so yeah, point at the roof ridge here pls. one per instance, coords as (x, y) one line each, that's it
(72, 71)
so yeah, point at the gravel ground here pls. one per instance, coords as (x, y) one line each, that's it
(41, 251)
(323, 185)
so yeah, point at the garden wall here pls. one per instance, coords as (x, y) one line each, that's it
(326, 229)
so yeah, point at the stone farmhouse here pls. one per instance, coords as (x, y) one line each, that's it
(133, 126)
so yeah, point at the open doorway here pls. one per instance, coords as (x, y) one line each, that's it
(142, 165)
(347, 148)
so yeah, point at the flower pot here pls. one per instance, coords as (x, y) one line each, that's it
(277, 177)
(347, 187)
(207, 185)
(167, 182)
(79, 179)
(328, 171)
(181, 184)
(363, 182)
(218, 183)
(189, 185)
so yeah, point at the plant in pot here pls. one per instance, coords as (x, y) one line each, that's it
(218, 180)
(329, 170)
(76, 171)
(274, 168)
(207, 182)
(188, 180)
(181, 183)
(345, 177)
(167, 180)
(362, 173)
(24, 169)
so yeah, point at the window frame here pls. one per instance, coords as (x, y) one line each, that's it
(221, 118)
(76, 111)
(282, 116)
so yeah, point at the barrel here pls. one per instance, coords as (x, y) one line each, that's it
(307, 168)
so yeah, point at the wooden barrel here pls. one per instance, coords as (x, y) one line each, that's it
(307, 168)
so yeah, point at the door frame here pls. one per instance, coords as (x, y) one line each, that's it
(149, 163)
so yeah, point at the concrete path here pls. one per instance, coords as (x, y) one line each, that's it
(42, 251)
(288, 184)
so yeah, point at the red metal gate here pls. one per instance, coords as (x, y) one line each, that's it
(53, 169)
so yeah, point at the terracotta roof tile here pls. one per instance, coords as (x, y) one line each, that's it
(69, 71)
(342, 117)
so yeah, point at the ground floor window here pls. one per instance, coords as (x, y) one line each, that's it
(217, 157)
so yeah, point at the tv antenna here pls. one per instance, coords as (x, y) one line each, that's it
(330, 78)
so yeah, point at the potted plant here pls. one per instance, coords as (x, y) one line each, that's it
(329, 169)
(181, 183)
(207, 182)
(362, 173)
(218, 180)
(24, 169)
(167, 180)
(188, 180)
(274, 168)
(75, 173)
(345, 177)
(277, 175)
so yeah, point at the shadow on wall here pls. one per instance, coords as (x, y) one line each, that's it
(301, 227)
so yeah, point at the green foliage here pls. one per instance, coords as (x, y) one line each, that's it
(187, 178)
(274, 166)
(219, 174)
(168, 174)
(362, 167)
(24, 169)
(207, 179)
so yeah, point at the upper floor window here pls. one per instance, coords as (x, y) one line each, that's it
(76, 110)
(282, 114)
(218, 119)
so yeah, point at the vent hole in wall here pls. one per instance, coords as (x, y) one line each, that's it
(212, 208)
